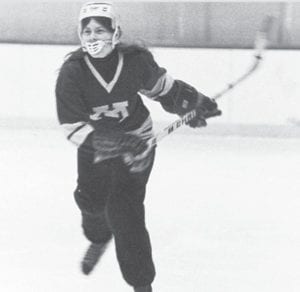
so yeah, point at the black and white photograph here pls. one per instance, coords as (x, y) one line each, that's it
(149, 146)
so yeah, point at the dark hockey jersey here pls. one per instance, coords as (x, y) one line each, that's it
(87, 95)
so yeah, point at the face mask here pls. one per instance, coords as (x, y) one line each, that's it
(96, 47)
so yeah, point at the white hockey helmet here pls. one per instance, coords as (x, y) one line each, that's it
(99, 9)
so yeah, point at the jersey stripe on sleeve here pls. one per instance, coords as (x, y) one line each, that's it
(77, 132)
(160, 88)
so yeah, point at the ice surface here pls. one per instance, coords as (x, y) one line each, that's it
(223, 213)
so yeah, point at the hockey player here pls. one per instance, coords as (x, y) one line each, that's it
(101, 110)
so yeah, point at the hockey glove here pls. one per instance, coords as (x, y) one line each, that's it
(110, 143)
(182, 98)
(140, 162)
(205, 108)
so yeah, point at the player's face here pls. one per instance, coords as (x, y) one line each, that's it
(97, 39)
(94, 31)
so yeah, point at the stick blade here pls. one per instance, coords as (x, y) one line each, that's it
(267, 24)
(264, 34)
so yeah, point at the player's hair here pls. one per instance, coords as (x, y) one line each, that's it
(132, 47)
(104, 21)
(124, 47)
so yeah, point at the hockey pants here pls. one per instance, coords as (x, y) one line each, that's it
(111, 200)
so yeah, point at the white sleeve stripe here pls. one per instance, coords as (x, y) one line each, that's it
(73, 132)
(77, 132)
(162, 87)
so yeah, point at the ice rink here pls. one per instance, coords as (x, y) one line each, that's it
(222, 209)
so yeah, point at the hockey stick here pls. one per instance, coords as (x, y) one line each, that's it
(261, 42)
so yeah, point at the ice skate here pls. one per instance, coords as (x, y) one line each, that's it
(147, 288)
(92, 256)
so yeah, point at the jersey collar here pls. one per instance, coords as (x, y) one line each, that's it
(110, 85)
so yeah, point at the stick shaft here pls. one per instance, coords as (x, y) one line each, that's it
(261, 42)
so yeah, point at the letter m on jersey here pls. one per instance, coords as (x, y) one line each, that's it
(117, 110)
